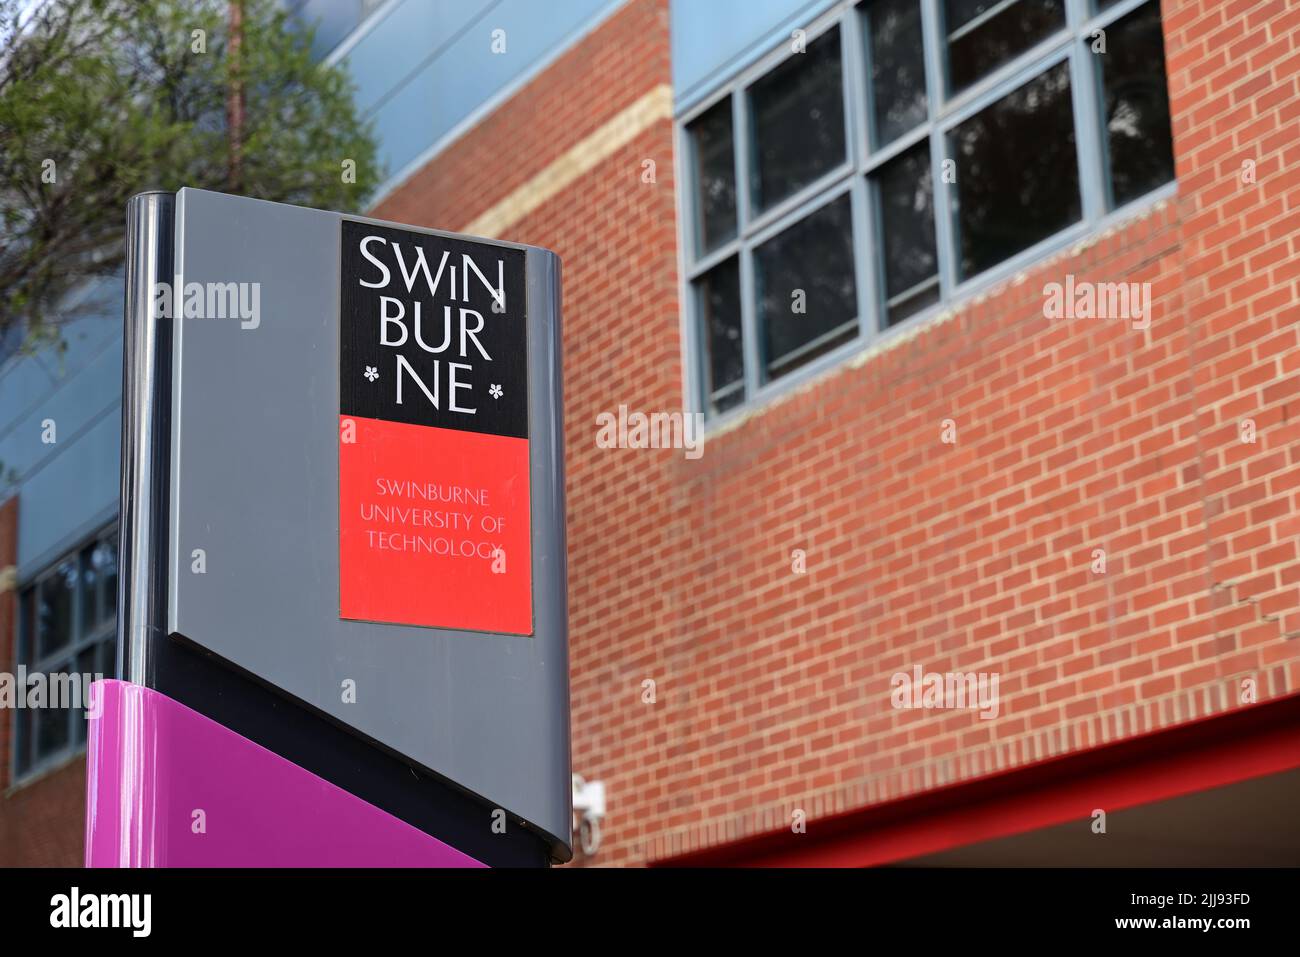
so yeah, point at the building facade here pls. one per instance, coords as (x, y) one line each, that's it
(989, 312)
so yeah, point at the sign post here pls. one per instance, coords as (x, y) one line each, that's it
(343, 546)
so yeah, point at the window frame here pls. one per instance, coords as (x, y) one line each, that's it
(944, 114)
(85, 635)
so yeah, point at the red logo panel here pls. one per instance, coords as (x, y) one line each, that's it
(434, 527)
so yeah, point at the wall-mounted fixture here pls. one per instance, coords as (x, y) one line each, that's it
(589, 807)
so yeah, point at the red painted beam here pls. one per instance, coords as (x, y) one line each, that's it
(1196, 756)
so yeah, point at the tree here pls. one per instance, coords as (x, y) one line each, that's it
(100, 99)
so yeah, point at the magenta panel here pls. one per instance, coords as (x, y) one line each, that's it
(152, 763)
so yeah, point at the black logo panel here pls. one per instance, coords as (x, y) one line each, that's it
(433, 331)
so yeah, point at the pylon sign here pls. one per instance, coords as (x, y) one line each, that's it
(361, 501)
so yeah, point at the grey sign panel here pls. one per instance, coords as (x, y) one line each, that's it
(254, 525)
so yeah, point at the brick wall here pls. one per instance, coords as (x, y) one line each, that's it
(772, 687)
(41, 823)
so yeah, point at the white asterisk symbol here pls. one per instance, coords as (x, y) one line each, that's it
(495, 391)
(372, 373)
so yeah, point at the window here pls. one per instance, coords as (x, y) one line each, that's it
(984, 34)
(67, 620)
(720, 308)
(905, 194)
(1139, 143)
(1010, 197)
(798, 122)
(807, 299)
(897, 56)
(895, 155)
(715, 172)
